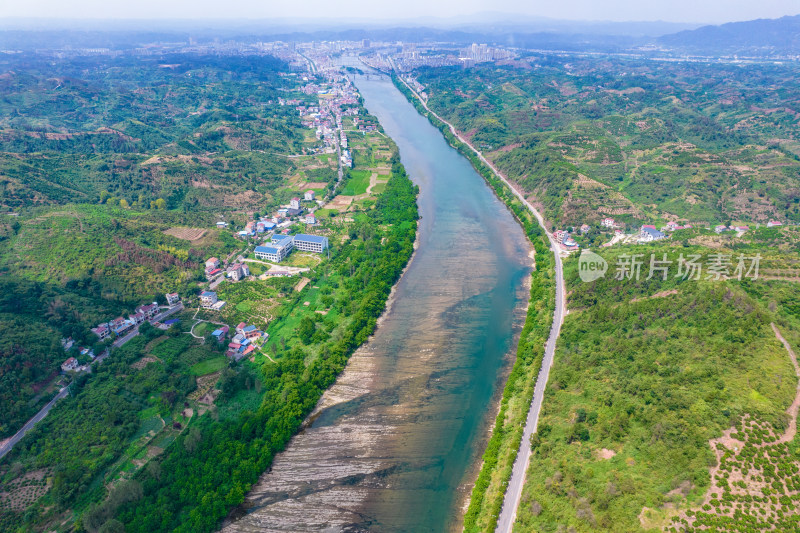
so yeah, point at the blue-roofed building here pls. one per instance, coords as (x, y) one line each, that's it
(278, 239)
(310, 243)
(208, 298)
(649, 234)
(277, 250)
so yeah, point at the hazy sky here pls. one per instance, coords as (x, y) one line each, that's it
(715, 11)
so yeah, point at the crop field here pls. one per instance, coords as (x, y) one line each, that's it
(357, 183)
(209, 366)
(188, 234)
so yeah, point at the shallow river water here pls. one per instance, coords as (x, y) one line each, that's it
(395, 443)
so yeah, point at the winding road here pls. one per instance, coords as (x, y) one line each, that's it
(9, 444)
(505, 522)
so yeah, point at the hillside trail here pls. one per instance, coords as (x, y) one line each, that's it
(790, 432)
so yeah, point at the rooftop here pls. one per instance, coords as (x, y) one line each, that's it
(310, 238)
(266, 250)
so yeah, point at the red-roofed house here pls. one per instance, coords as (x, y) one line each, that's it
(101, 331)
(149, 310)
(69, 365)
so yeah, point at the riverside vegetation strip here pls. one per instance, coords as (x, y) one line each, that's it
(162, 435)
(200, 472)
(488, 493)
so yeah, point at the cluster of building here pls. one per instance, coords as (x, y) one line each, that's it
(120, 326)
(283, 217)
(481, 53)
(244, 342)
(280, 246)
(741, 229)
(337, 99)
(234, 271)
(213, 268)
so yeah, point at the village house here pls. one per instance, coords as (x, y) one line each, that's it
(220, 334)
(308, 196)
(294, 203)
(173, 299)
(238, 271)
(149, 310)
(212, 263)
(208, 298)
(251, 332)
(649, 233)
(101, 331)
(773, 223)
(608, 222)
(222, 224)
(569, 243)
(585, 228)
(70, 365)
(119, 326)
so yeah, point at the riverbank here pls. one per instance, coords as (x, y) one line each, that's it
(489, 491)
(393, 441)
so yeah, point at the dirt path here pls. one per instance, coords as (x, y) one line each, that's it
(792, 410)
(373, 180)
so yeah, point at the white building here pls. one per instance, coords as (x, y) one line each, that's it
(310, 243)
(279, 248)
(309, 196)
(295, 203)
(208, 298)
(173, 299)
(649, 234)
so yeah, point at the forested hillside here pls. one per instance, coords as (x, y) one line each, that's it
(105, 163)
(646, 373)
(195, 131)
(642, 141)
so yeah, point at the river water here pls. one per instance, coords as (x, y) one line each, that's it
(394, 445)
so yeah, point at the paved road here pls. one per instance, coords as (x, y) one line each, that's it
(5, 448)
(158, 318)
(514, 490)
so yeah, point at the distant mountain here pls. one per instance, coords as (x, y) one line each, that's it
(762, 37)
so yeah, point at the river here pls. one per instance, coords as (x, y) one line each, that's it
(395, 444)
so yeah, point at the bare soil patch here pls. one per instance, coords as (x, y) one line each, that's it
(754, 480)
(19, 494)
(185, 233)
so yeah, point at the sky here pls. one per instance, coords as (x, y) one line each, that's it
(703, 11)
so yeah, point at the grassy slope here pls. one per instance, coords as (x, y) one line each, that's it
(652, 381)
